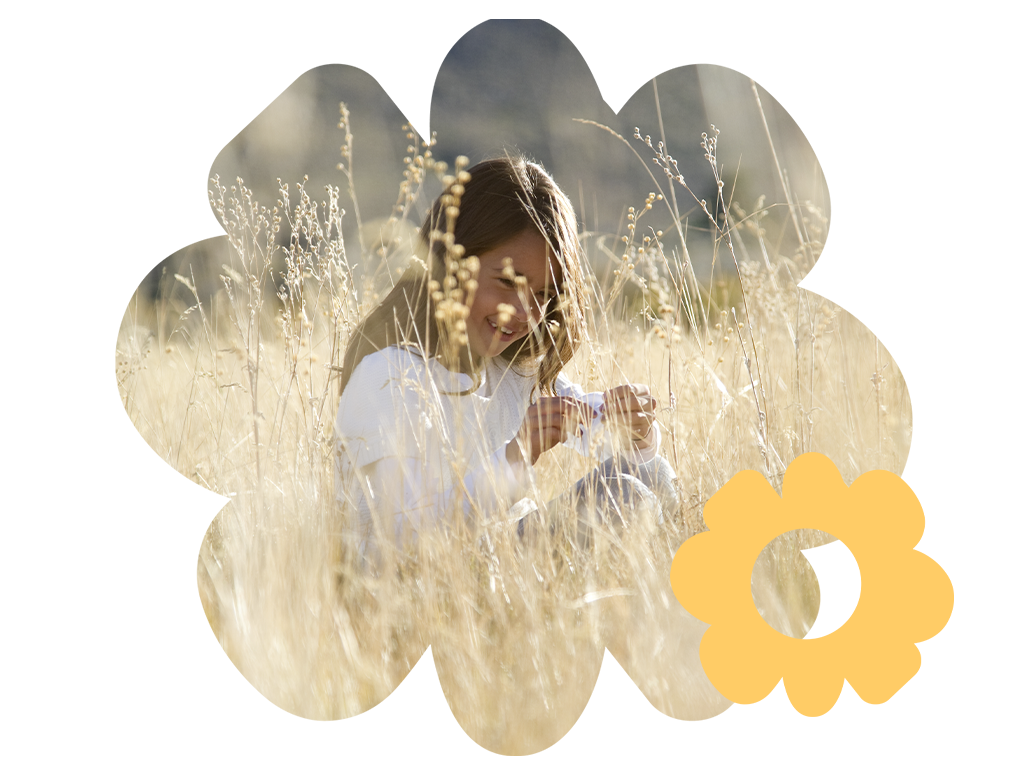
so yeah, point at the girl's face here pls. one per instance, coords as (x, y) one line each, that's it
(515, 288)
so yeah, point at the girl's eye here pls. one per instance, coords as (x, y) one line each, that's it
(542, 298)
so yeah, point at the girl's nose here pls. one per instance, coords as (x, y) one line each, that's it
(516, 308)
(520, 313)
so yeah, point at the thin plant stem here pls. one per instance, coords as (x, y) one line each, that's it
(778, 167)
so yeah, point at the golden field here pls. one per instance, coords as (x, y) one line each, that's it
(235, 390)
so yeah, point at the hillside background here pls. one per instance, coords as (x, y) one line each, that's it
(260, 101)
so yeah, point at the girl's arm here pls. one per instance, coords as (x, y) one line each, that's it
(498, 482)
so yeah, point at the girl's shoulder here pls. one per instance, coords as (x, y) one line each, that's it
(383, 365)
(388, 360)
(390, 382)
(404, 367)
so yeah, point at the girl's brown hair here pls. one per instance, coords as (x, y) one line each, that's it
(484, 207)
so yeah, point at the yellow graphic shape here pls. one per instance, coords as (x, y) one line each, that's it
(905, 596)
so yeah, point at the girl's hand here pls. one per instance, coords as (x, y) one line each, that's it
(631, 408)
(548, 422)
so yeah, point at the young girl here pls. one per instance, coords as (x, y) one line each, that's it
(452, 387)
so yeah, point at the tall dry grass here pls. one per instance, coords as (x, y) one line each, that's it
(236, 391)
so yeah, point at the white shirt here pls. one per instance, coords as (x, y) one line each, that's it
(413, 447)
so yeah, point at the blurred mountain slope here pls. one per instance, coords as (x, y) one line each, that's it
(259, 100)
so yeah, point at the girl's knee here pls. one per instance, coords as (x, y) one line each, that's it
(665, 485)
(659, 477)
